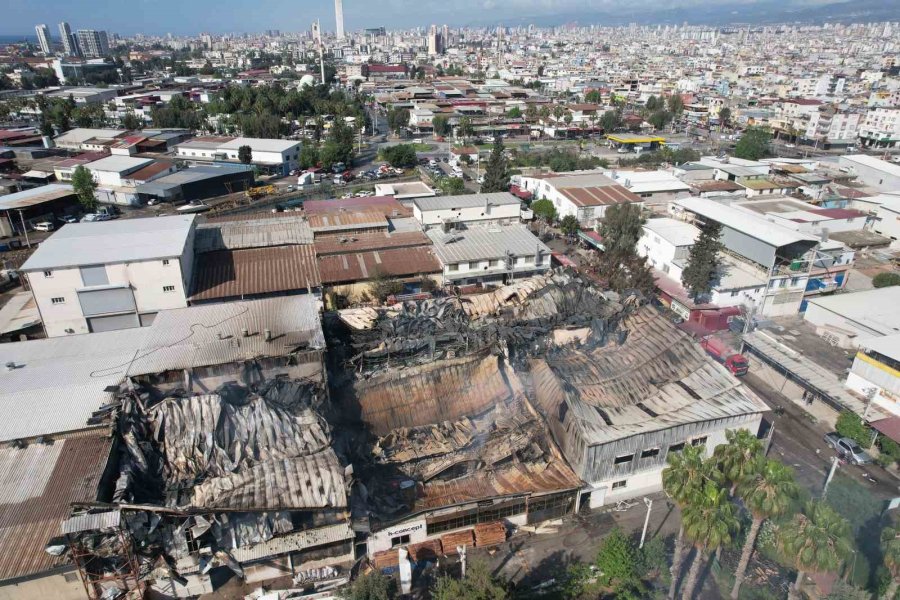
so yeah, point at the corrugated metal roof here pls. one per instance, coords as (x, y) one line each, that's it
(482, 243)
(106, 242)
(19, 312)
(294, 542)
(253, 271)
(253, 233)
(38, 483)
(744, 222)
(465, 201)
(381, 240)
(658, 379)
(599, 196)
(38, 195)
(347, 221)
(92, 521)
(362, 266)
(387, 205)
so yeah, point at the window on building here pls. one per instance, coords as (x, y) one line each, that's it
(168, 288)
(700, 441)
(165, 262)
(48, 273)
(625, 458)
(650, 453)
(400, 540)
(665, 267)
(493, 263)
(676, 447)
(59, 300)
(453, 268)
(795, 281)
(618, 485)
(734, 293)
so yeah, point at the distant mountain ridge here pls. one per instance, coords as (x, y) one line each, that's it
(769, 12)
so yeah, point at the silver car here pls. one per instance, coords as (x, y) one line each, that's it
(848, 449)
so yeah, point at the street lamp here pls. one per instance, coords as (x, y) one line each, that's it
(649, 503)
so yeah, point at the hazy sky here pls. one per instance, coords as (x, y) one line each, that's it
(18, 17)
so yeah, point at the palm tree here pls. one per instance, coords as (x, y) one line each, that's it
(890, 548)
(816, 540)
(709, 521)
(737, 457)
(767, 493)
(682, 480)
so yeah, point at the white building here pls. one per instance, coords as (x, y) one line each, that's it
(876, 371)
(887, 218)
(489, 255)
(881, 127)
(276, 156)
(91, 277)
(43, 36)
(873, 172)
(585, 196)
(82, 138)
(500, 208)
(851, 317)
(654, 187)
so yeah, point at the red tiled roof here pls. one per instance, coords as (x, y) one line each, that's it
(362, 266)
(599, 196)
(147, 173)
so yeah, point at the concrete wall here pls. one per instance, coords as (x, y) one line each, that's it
(61, 586)
(146, 279)
(504, 214)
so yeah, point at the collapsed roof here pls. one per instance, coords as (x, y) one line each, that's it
(451, 432)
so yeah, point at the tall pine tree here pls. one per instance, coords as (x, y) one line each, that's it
(496, 175)
(620, 265)
(703, 262)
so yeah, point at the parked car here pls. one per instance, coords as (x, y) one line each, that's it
(94, 217)
(43, 226)
(68, 219)
(847, 449)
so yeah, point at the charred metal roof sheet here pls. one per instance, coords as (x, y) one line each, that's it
(38, 483)
(253, 271)
(294, 542)
(657, 379)
(253, 233)
(362, 266)
(386, 205)
(433, 393)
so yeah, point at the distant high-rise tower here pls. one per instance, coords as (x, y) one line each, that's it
(70, 44)
(92, 43)
(435, 45)
(339, 18)
(43, 36)
(445, 37)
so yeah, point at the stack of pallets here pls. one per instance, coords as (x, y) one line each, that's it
(386, 558)
(450, 541)
(489, 534)
(429, 550)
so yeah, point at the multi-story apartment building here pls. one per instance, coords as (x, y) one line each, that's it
(93, 43)
(881, 127)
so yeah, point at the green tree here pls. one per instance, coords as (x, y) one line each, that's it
(621, 229)
(441, 125)
(132, 121)
(478, 584)
(544, 209)
(737, 458)
(709, 522)
(397, 119)
(464, 128)
(725, 116)
(496, 174)
(886, 280)
(814, 541)
(767, 491)
(569, 225)
(514, 113)
(611, 120)
(850, 425)
(592, 97)
(652, 104)
(683, 479)
(676, 104)
(890, 552)
(46, 127)
(754, 143)
(245, 154)
(401, 155)
(617, 561)
(309, 156)
(383, 286)
(85, 187)
(703, 261)
(373, 586)
(845, 591)
(451, 186)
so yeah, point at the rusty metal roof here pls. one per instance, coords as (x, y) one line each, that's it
(387, 205)
(362, 266)
(254, 271)
(599, 196)
(380, 240)
(38, 483)
(347, 221)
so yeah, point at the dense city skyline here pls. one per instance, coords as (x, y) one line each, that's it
(167, 16)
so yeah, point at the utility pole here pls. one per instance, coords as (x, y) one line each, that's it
(24, 228)
(834, 466)
(649, 503)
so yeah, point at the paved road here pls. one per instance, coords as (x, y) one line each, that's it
(798, 443)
